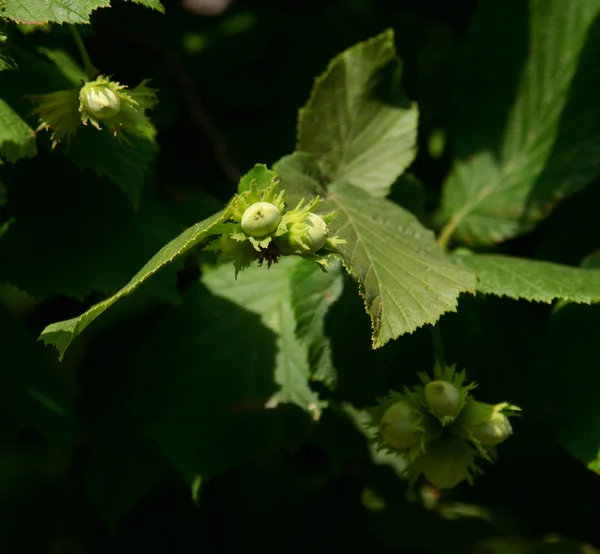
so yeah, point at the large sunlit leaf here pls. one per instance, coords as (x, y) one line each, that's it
(405, 279)
(358, 121)
(532, 280)
(17, 139)
(36, 12)
(269, 293)
(62, 333)
(212, 409)
(528, 127)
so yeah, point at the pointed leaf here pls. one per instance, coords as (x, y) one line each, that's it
(268, 293)
(358, 121)
(17, 139)
(62, 333)
(529, 133)
(34, 12)
(405, 279)
(532, 280)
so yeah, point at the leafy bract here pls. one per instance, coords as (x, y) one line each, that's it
(211, 410)
(17, 139)
(269, 293)
(528, 131)
(532, 280)
(405, 279)
(358, 121)
(62, 333)
(34, 12)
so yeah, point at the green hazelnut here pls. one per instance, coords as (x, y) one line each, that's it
(100, 101)
(317, 233)
(443, 400)
(398, 426)
(494, 431)
(261, 219)
(446, 462)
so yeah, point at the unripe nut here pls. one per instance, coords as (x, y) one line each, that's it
(100, 101)
(443, 400)
(317, 233)
(492, 432)
(398, 426)
(261, 219)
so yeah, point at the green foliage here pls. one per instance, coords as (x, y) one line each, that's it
(532, 280)
(268, 293)
(282, 338)
(527, 133)
(33, 12)
(358, 121)
(62, 334)
(17, 139)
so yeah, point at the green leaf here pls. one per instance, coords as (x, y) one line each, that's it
(62, 333)
(17, 139)
(405, 279)
(34, 12)
(6, 61)
(211, 410)
(65, 64)
(532, 280)
(528, 134)
(313, 292)
(269, 293)
(154, 4)
(358, 121)
(124, 164)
